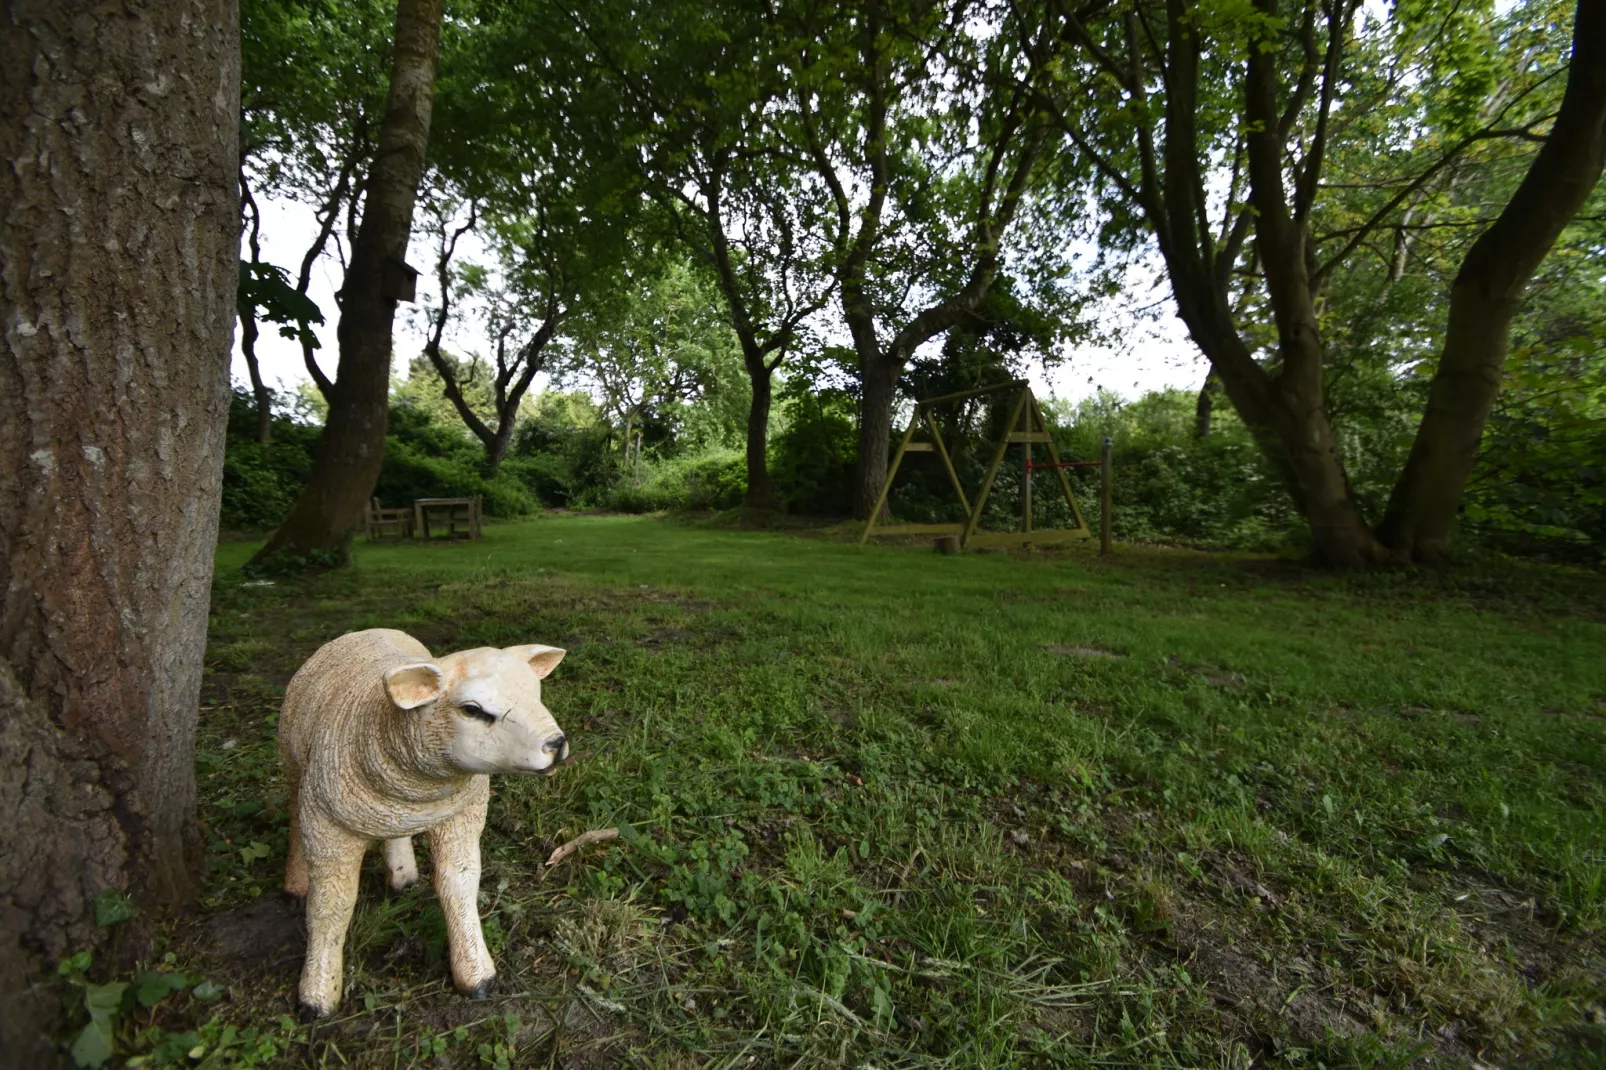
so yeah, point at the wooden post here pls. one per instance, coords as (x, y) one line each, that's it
(992, 469)
(892, 470)
(1026, 476)
(1106, 493)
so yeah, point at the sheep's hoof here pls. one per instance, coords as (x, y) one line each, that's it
(481, 990)
(307, 1014)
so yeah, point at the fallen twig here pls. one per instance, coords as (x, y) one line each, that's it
(594, 836)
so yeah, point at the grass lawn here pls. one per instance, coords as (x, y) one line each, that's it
(884, 808)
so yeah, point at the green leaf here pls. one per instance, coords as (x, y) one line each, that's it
(207, 990)
(113, 907)
(155, 986)
(77, 964)
(94, 1044)
(103, 1001)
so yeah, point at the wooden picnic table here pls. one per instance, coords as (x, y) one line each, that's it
(469, 515)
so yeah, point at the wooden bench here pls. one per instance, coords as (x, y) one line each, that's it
(381, 522)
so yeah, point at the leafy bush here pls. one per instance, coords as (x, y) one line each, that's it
(565, 457)
(812, 460)
(714, 479)
(422, 460)
(410, 472)
(261, 480)
(1540, 483)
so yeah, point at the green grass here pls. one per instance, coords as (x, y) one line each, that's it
(883, 808)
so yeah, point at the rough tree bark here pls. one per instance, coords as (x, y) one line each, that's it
(1487, 294)
(119, 243)
(352, 447)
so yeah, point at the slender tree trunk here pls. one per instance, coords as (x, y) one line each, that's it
(1321, 486)
(1487, 294)
(1203, 407)
(760, 488)
(119, 252)
(259, 389)
(352, 447)
(248, 314)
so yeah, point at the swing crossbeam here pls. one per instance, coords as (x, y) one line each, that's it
(1025, 428)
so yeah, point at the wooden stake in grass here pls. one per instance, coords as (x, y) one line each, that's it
(594, 836)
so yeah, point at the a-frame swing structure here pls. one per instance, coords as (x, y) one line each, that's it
(1025, 427)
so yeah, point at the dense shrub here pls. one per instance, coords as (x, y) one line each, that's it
(1540, 484)
(714, 479)
(565, 458)
(422, 460)
(812, 459)
(261, 480)
(411, 471)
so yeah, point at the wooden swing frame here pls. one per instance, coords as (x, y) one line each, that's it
(1025, 427)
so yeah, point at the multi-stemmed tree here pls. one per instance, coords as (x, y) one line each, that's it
(1172, 101)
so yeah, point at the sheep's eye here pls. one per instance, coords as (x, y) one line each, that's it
(474, 709)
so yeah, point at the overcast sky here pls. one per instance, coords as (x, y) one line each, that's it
(1154, 352)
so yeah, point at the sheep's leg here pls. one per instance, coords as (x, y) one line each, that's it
(295, 866)
(334, 862)
(454, 848)
(400, 863)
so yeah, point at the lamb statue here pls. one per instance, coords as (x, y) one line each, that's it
(382, 742)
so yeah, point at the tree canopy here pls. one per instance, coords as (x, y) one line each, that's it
(873, 196)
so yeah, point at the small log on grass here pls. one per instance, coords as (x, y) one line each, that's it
(594, 836)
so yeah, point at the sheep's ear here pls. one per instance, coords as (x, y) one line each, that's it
(410, 686)
(543, 659)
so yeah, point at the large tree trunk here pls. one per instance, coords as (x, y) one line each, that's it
(878, 381)
(1287, 419)
(760, 488)
(1487, 294)
(119, 246)
(352, 447)
(496, 449)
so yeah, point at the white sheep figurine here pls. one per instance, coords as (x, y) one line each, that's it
(382, 742)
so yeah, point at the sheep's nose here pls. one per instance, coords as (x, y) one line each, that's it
(557, 746)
